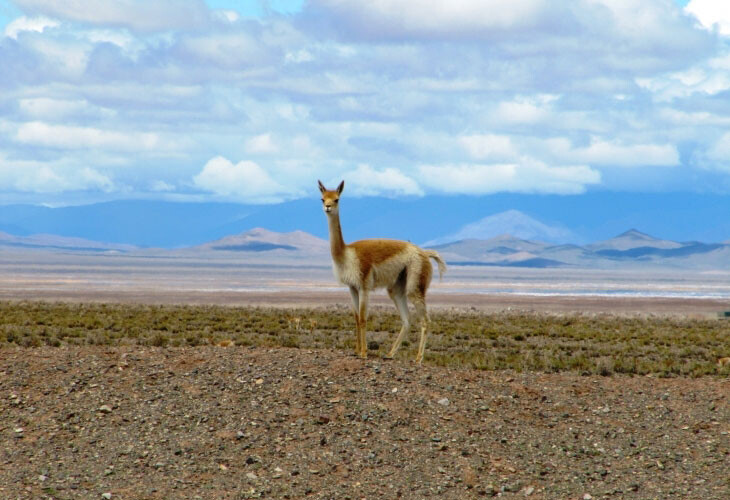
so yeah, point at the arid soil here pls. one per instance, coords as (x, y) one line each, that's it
(641, 306)
(212, 422)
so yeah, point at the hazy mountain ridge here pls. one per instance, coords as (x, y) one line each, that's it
(588, 218)
(631, 248)
(265, 246)
(55, 242)
(263, 240)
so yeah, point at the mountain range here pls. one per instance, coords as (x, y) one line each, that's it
(433, 220)
(631, 249)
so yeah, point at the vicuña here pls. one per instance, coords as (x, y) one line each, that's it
(399, 266)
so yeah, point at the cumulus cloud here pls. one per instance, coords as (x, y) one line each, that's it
(402, 97)
(518, 178)
(44, 108)
(73, 137)
(717, 155)
(140, 15)
(711, 14)
(367, 181)
(612, 154)
(244, 181)
(37, 24)
(399, 18)
(489, 146)
(261, 144)
(36, 177)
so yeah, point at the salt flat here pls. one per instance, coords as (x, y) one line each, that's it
(161, 276)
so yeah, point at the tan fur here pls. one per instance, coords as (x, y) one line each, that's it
(723, 361)
(401, 267)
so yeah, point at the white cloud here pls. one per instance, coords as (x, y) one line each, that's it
(227, 50)
(613, 154)
(367, 181)
(161, 186)
(489, 146)
(244, 181)
(72, 137)
(533, 177)
(718, 154)
(524, 110)
(261, 144)
(435, 17)
(141, 15)
(37, 24)
(37, 177)
(713, 14)
(50, 109)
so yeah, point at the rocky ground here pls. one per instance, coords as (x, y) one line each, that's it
(239, 422)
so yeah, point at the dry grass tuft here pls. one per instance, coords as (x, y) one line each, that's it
(520, 341)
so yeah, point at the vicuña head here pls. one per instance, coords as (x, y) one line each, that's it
(399, 266)
(331, 199)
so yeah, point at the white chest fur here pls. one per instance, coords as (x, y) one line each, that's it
(347, 271)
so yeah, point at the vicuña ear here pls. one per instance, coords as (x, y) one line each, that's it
(321, 187)
(340, 187)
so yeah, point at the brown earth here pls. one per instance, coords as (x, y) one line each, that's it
(212, 422)
(663, 306)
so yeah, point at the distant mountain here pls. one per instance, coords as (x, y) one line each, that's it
(263, 240)
(265, 247)
(633, 239)
(57, 243)
(588, 217)
(631, 248)
(511, 222)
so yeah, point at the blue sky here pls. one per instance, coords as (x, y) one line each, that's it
(252, 101)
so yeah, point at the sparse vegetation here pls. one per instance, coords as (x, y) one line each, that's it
(521, 341)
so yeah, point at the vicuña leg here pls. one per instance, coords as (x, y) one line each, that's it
(422, 313)
(356, 312)
(398, 295)
(363, 313)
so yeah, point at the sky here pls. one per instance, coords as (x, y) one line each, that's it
(253, 101)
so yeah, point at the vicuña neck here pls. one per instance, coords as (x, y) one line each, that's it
(337, 244)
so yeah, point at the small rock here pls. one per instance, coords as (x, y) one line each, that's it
(240, 435)
(259, 381)
(42, 478)
(587, 496)
(251, 476)
(106, 496)
(443, 401)
(105, 409)
(529, 491)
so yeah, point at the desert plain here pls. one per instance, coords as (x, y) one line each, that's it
(183, 376)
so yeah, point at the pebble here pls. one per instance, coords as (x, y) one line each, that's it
(105, 409)
(251, 476)
(443, 401)
(587, 496)
(529, 491)
(106, 496)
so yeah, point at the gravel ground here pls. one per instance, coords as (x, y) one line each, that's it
(236, 422)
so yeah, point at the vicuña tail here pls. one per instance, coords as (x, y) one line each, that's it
(433, 254)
